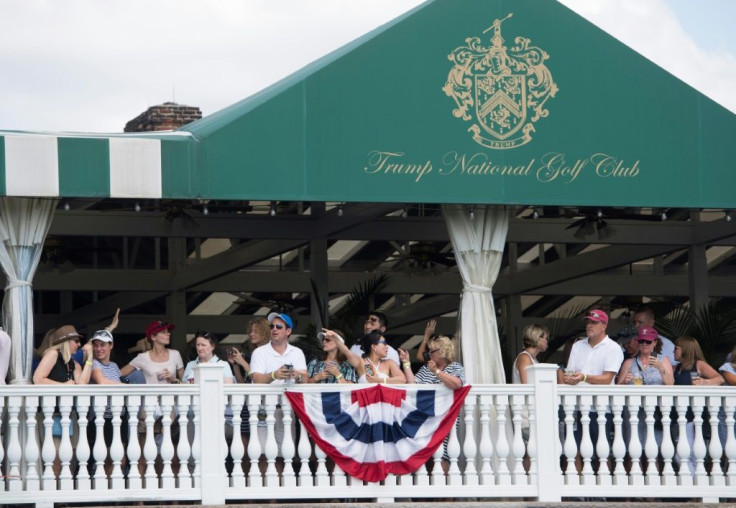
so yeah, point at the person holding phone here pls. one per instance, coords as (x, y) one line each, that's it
(333, 367)
(269, 362)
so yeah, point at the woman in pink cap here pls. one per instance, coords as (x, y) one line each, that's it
(160, 365)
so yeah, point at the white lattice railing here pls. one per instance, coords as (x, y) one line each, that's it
(185, 454)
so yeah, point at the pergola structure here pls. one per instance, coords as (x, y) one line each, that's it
(339, 172)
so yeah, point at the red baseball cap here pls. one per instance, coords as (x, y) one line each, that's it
(648, 333)
(597, 316)
(158, 326)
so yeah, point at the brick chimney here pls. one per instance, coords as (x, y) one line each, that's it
(167, 116)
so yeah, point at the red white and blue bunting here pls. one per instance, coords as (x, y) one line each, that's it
(373, 432)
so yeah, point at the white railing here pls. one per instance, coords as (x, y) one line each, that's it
(183, 456)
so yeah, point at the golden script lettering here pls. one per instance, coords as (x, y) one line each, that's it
(550, 167)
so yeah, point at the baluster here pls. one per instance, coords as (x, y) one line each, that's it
(99, 450)
(196, 409)
(32, 477)
(236, 447)
(287, 447)
(650, 448)
(518, 474)
(14, 452)
(619, 445)
(635, 447)
(48, 451)
(699, 450)
(66, 451)
(453, 451)
(150, 450)
(715, 450)
(572, 477)
(272, 450)
(730, 447)
(668, 448)
(254, 443)
(133, 451)
(183, 448)
(2, 450)
(502, 444)
(438, 474)
(339, 478)
(305, 451)
(602, 448)
(167, 447)
(470, 448)
(683, 445)
(487, 475)
(586, 444)
(321, 477)
(116, 447)
(84, 479)
(531, 446)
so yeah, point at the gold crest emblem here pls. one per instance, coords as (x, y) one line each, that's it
(502, 90)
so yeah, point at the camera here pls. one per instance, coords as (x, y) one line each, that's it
(426, 356)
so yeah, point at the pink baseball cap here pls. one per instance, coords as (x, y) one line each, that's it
(597, 316)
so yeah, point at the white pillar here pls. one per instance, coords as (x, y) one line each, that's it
(212, 417)
(549, 481)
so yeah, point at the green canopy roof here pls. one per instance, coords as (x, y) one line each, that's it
(512, 101)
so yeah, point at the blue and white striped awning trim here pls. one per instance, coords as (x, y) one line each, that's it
(56, 165)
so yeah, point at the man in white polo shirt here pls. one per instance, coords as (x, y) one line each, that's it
(595, 359)
(278, 362)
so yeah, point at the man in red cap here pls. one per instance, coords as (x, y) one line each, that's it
(595, 359)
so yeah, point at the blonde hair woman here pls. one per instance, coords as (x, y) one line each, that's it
(535, 340)
(57, 366)
(441, 368)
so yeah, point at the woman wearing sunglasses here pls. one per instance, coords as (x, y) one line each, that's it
(441, 368)
(645, 368)
(373, 366)
(57, 366)
(333, 366)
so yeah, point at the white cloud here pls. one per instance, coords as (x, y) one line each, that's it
(651, 28)
(92, 65)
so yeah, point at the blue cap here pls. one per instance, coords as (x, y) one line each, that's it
(286, 319)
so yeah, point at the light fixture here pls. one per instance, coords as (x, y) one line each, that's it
(664, 215)
(205, 210)
(472, 212)
(404, 213)
(728, 216)
(535, 214)
(339, 210)
(67, 206)
(273, 209)
(137, 207)
(600, 213)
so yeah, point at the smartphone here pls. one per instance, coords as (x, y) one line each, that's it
(426, 356)
(288, 366)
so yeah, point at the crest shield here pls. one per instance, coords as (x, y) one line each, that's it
(500, 104)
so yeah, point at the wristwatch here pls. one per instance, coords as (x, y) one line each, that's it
(437, 372)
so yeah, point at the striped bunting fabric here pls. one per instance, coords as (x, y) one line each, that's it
(69, 165)
(375, 431)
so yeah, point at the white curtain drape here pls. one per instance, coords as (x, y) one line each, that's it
(478, 237)
(24, 223)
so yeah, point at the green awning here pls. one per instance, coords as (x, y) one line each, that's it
(512, 101)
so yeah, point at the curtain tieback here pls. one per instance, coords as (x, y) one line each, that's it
(477, 289)
(17, 284)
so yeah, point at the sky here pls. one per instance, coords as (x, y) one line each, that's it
(92, 65)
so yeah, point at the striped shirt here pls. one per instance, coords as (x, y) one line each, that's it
(111, 371)
(425, 377)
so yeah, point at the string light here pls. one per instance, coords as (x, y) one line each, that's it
(339, 210)
(205, 210)
(67, 206)
(535, 215)
(137, 207)
(472, 212)
(273, 210)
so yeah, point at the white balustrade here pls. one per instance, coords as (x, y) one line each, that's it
(485, 450)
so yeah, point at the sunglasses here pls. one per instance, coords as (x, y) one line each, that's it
(382, 341)
(277, 326)
(433, 351)
(642, 341)
(200, 333)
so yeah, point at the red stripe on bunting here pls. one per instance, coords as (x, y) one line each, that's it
(378, 394)
(378, 471)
